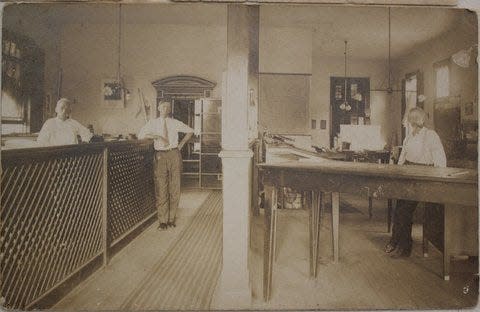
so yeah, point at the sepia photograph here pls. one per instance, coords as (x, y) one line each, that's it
(239, 155)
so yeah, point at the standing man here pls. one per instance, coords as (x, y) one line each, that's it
(168, 161)
(62, 130)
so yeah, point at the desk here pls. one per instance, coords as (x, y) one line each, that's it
(453, 187)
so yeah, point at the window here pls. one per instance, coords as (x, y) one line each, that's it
(442, 80)
(22, 84)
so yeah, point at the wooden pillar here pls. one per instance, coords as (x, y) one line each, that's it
(242, 73)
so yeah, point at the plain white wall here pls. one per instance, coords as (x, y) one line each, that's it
(285, 50)
(89, 54)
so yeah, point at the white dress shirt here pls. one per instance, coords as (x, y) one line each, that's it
(425, 147)
(62, 132)
(156, 126)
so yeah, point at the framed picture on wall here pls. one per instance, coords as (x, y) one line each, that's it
(469, 110)
(112, 93)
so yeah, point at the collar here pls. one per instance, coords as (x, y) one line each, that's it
(420, 132)
(58, 119)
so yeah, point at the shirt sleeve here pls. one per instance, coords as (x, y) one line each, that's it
(436, 148)
(181, 127)
(83, 131)
(43, 138)
(146, 129)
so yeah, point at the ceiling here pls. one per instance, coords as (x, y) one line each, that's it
(365, 28)
(106, 13)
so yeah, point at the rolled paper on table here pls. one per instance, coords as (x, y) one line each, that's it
(457, 173)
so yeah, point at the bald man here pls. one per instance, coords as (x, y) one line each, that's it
(168, 161)
(62, 130)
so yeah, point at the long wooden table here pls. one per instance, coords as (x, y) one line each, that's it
(453, 187)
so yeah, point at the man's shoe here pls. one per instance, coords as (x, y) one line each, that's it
(390, 247)
(401, 253)
(162, 226)
(171, 224)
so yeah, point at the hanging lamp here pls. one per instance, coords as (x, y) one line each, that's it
(389, 88)
(345, 105)
(119, 46)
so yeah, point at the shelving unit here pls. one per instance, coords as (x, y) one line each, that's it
(202, 168)
(22, 82)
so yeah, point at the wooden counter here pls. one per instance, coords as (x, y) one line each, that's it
(454, 187)
(66, 207)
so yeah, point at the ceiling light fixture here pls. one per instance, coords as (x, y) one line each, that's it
(119, 44)
(462, 58)
(345, 106)
(389, 88)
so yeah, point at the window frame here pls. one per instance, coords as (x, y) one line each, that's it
(443, 63)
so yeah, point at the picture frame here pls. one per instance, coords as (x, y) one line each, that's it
(469, 110)
(112, 93)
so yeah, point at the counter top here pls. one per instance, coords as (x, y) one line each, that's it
(22, 154)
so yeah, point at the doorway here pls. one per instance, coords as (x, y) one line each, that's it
(192, 105)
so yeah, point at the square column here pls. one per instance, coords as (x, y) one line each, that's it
(241, 81)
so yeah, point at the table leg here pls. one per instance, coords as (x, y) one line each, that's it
(424, 232)
(446, 244)
(370, 207)
(315, 231)
(269, 239)
(335, 221)
(389, 215)
(309, 203)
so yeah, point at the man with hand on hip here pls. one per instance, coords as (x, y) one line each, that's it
(167, 161)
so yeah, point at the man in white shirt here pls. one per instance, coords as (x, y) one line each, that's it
(168, 161)
(62, 130)
(421, 147)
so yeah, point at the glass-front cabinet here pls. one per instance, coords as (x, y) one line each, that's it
(202, 167)
(22, 84)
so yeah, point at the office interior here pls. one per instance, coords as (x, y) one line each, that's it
(306, 85)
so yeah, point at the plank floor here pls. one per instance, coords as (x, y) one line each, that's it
(185, 278)
(109, 288)
(365, 277)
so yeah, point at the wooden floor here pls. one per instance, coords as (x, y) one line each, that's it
(186, 277)
(365, 278)
(110, 288)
